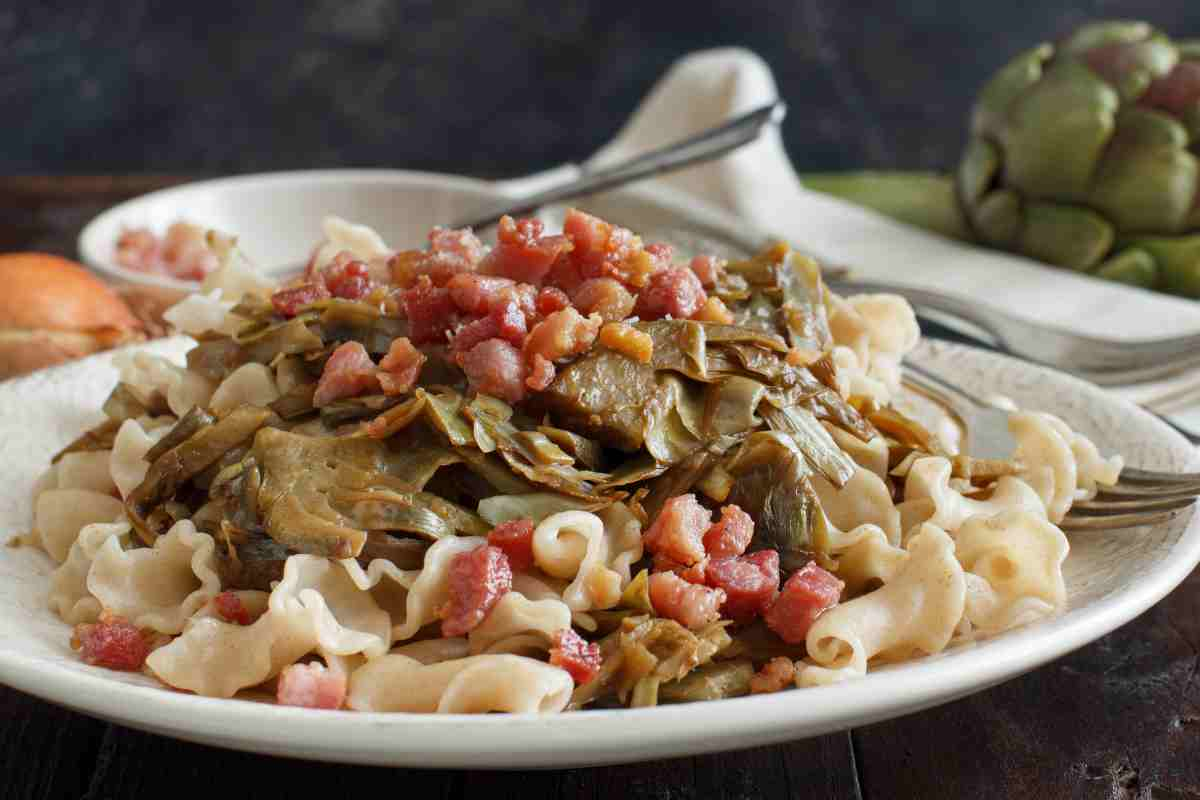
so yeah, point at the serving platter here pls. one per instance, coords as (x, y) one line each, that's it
(1111, 578)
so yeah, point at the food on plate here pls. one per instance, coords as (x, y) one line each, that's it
(53, 310)
(181, 252)
(548, 475)
(1082, 154)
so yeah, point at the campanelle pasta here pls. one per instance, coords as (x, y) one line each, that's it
(531, 478)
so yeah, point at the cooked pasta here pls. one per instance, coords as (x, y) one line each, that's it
(565, 471)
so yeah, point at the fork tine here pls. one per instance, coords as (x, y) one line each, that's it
(1116, 521)
(1133, 475)
(1102, 507)
(1133, 492)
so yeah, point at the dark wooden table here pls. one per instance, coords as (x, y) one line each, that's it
(1117, 719)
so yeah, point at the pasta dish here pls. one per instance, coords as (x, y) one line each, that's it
(571, 470)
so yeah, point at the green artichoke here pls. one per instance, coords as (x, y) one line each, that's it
(1084, 155)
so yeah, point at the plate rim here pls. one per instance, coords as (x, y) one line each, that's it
(603, 736)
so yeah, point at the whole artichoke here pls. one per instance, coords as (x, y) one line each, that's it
(1086, 154)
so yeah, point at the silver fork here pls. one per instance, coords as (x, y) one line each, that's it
(1140, 497)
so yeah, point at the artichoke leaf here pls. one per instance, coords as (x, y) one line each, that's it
(123, 404)
(100, 437)
(302, 474)
(803, 311)
(813, 441)
(772, 484)
(173, 468)
(216, 356)
(730, 405)
(714, 681)
(581, 448)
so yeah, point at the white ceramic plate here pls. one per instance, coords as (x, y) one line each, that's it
(1111, 578)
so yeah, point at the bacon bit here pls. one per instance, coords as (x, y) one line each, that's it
(776, 674)
(430, 311)
(311, 686)
(348, 372)
(562, 334)
(451, 252)
(137, 249)
(565, 274)
(603, 250)
(606, 297)
(401, 367)
(714, 310)
(693, 574)
(183, 253)
(474, 293)
(708, 269)
(459, 245)
(678, 531)
(522, 252)
(347, 277)
(288, 302)
(661, 252)
(515, 538)
(541, 374)
(729, 536)
(551, 299)
(628, 341)
(749, 582)
(688, 604)
(675, 292)
(509, 319)
(231, 608)
(478, 579)
(581, 659)
(112, 642)
(495, 367)
(810, 591)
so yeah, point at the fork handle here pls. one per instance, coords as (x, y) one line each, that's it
(704, 146)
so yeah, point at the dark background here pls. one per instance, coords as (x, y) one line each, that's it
(492, 88)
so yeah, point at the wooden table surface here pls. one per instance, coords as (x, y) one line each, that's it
(1117, 719)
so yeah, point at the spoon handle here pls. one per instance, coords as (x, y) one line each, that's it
(704, 146)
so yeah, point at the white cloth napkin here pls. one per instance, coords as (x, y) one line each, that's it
(760, 184)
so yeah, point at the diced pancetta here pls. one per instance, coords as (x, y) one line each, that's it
(400, 368)
(775, 675)
(674, 293)
(311, 686)
(689, 604)
(515, 538)
(495, 367)
(604, 296)
(111, 642)
(348, 372)
(289, 301)
(678, 531)
(478, 579)
(749, 582)
(430, 311)
(522, 252)
(628, 341)
(730, 535)
(803, 597)
(562, 334)
(578, 657)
